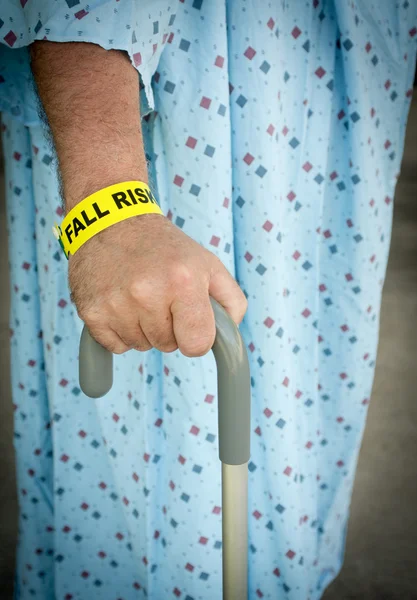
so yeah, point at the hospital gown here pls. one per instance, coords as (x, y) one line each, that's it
(274, 132)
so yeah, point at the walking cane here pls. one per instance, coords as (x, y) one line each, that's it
(96, 378)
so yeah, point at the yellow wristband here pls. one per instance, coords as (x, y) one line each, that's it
(103, 209)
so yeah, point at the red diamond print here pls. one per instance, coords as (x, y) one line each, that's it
(85, 574)
(203, 540)
(271, 23)
(306, 313)
(320, 72)
(287, 471)
(136, 585)
(135, 477)
(248, 158)
(349, 277)
(342, 375)
(291, 196)
(137, 59)
(308, 445)
(290, 554)
(277, 572)
(349, 223)
(82, 433)
(267, 226)
(219, 62)
(17, 156)
(298, 394)
(387, 144)
(251, 347)
(191, 142)
(413, 31)
(119, 536)
(285, 382)
(177, 592)
(178, 180)
(158, 422)
(125, 501)
(170, 38)
(295, 32)
(115, 417)
(248, 256)
(269, 322)
(249, 52)
(217, 510)
(31, 363)
(64, 458)
(102, 485)
(258, 431)
(368, 47)
(63, 383)
(333, 175)
(209, 398)
(181, 459)
(267, 413)
(296, 255)
(194, 430)
(285, 130)
(387, 84)
(66, 529)
(146, 457)
(84, 506)
(270, 129)
(226, 202)
(189, 567)
(327, 234)
(80, 14)
(340, 463)
(340, 419)
(259, 593)
(257, 514)
(215, 241)
(205, 102)
(344, 328)
(307, 166)
(341, 114)
(156, 535)
(10, 38)
(388, 200)
(62, 303)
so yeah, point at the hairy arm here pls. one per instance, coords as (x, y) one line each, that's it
(91, 99)
(140, 283)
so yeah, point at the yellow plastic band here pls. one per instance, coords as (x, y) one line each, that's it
(103, 209)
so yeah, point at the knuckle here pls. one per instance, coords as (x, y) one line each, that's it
(141, 290)
(181, 275)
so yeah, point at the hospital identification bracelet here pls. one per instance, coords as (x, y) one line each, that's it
(103, 209)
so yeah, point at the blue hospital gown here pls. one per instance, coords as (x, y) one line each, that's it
(274, 132)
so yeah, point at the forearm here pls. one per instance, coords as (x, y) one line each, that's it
(91, 100)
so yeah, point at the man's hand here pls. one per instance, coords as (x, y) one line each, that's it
(142, 282)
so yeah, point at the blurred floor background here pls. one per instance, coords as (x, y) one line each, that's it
(381, 555)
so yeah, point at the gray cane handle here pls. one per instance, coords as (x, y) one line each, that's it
(96, 378)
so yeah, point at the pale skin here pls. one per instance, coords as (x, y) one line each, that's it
(141, 283)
